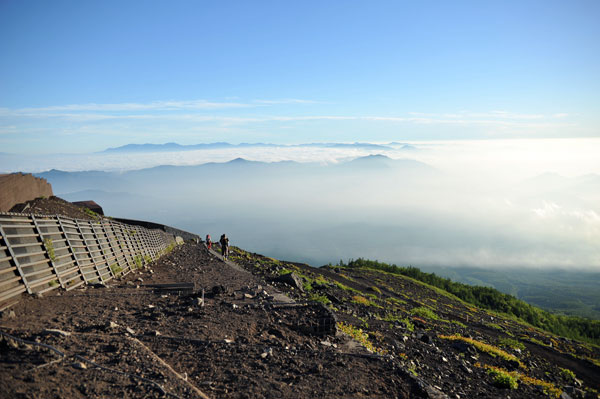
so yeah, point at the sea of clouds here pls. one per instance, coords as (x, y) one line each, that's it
(495, 203)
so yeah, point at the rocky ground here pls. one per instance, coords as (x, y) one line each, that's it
(265, 328)
(243, 343)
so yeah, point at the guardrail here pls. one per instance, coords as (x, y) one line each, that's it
(40, 253)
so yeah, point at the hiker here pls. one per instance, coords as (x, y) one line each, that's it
(224, 246)
(208, 241)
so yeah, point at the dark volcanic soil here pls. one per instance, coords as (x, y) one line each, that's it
(237, 346)
(248, 341)
(53, 206)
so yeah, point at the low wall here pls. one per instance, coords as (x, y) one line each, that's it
(42, 253)
(18, 187)
(168, 229)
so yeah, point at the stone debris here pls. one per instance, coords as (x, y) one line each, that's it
(58, 332)
(80, 365)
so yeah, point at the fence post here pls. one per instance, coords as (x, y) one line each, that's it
(71, 249)
(87, 248)
(39, 232)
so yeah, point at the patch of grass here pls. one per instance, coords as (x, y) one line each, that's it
(91, 213)
(483, 347)
(345, 287)
(319, 298)
(375, 289)
(395, 301)
(495, 326)
(568, 374)
(392, 318)
(503, 379)
(53, 283)
(138, 261)
(511, 343)
(346, 277)
(360, 336)
(427, 313)
(548, 388)
(116, 269)
(50, 249)
(361, 300)
(147, 259)
(536, 341)
(458, 323)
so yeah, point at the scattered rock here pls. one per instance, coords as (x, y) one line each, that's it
(424, 338)
(57, 332)
(266, 353)
(80, 365)
(112, 325)
(130, 331)
(198, 302)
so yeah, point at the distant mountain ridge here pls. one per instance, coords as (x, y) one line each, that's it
(167, 147)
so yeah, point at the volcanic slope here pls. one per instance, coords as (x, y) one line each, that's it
(245, 342)
(397, 338)
(451, 345)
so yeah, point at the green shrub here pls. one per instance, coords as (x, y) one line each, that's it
(502, 379)
(567, 374)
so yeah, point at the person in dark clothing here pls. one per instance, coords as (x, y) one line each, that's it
(208, 241)
(224, 241)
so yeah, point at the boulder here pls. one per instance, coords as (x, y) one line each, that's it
(292, 280)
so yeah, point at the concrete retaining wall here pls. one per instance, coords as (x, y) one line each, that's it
(18, 187)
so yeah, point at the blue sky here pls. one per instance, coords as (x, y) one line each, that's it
(78, 76)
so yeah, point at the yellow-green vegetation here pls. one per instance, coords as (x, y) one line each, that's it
(567, 374)
(427, 313)
(492, 299)
(138, 261)
(319, 298)
(395, 301)
(391, 318)
(495, 326)
(548, 388)
(91, 213)
(511, 343)
(147, 259)
(345, 287)
(458, 323)
(50, 249)
(360, 336)
(483, 347)
(116, 269)
(53, 283)
(376, 289)
(503, 379)
(346, 277)
(594, 361)
(361, 300)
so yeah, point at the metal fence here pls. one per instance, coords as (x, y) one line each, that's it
(42, 253)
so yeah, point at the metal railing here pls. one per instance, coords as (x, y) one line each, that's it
(40, 253)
